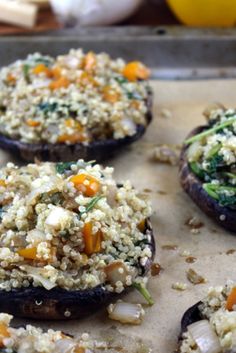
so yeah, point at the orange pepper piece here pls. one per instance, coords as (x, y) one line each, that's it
(2, 182)
(89, 61)
(4, 333)
(92, 242)
(41, 68)
(85, 183)
(110, 95)
(11, 78)
(141, 225)
(32, 123)
(136, 70)
(231, 300)
(74, 124)
(79, 350)
(56, 72)
(72, 138)
(61, 82)
(86, 79)
(28, 253)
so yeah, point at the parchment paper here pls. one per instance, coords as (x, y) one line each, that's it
(161, 325)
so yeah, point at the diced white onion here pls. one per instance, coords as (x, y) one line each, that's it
(126, 313)
(36, 274)
(129, 126)
(65, 345)
(58, 218)
(205, 337)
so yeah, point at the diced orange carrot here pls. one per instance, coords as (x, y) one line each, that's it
(32, 123)
(4, 333)
(135, 104)
(72, 138)
(41, 68)
(92, 242)
(89, 62)
(110, 95)
(231, 300)
(61, 82)
(2, 182)
(28, 253)
(136, 70)
(85, 183)
(141, 225)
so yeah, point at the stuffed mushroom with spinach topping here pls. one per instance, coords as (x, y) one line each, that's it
(210, 325)
(208, 166)
(71, 239)
(74, 106)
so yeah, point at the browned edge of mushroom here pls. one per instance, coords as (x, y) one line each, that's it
(224, 216)
(98, 150)
(61, 304)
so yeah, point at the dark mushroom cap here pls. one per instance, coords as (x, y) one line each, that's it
(59, 303)
(224, 216)
(98, 150)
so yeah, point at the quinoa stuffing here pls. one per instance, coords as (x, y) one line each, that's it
(73, 98)
(31, 339)
(212, 158)
(69, 225)
(217, 329)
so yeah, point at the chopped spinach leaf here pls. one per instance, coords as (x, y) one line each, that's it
(197, 170)
(47, 107)
(121, 80)
(134, 95)
(43, 60)
(63, 167)
(215, 163)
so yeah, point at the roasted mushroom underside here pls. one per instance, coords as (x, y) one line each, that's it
(224, 216)
(59, 303)
(98, 150)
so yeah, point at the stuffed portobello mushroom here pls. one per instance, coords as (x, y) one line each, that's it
(210, 325)
(208, 167)
(71, 239)
(31, 339)
(74, 106)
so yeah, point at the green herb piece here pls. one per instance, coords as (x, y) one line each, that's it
(134, 95)
(226, 200)
(26, 69)
(208, 132)
(93, 202)
(230, 175)
(197, 170)
(63, 167)
(213, 151)
(144, 292)
(43, 60)
(209, 188)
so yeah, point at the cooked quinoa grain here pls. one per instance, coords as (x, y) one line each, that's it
(74, 98)
(31, 339)
(218, 311)
(69, 225)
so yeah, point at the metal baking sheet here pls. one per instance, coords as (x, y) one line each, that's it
(172, 52)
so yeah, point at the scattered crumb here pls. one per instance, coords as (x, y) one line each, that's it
(166, 113)
(179, 286)
(147, 190)
(190, 259)
(169, 247)
(161, 192)
(194, 224)
(156, 269)
(166, 154)
(185, 253)
(230, 251)
(194, 277)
